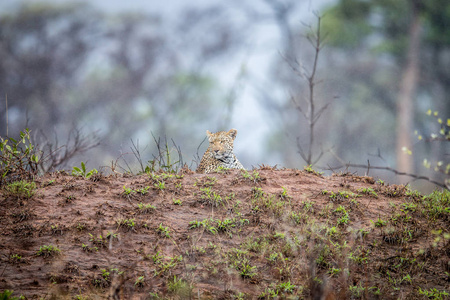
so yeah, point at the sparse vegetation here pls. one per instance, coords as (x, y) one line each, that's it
(262, 234)
(83, 172)
(48, 251)
(20, 189)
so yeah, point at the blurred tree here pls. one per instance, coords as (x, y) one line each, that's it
(406, 42)
(127, 75)
(43, 49)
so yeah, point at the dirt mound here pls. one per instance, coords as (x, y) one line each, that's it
(229, 235)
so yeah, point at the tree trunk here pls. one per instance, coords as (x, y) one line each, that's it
(405, 110)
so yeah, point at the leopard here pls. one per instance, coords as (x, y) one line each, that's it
(220, 152)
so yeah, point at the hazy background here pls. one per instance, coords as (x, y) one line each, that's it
(117, 72)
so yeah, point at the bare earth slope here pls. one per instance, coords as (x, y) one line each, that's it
(230, 235)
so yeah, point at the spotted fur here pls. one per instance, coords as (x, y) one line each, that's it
(220, 152)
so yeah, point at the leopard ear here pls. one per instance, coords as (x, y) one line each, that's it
(209, 135)
(232, 133)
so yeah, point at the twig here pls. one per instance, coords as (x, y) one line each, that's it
(396, 172)
(7, 123)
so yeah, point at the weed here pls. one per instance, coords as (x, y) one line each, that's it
(19, 158)
(340, 195)
(222, 170)
(334, 271)
(160, 185)
(20, 189)
(344, 219)
(80, 226)
(284, 194)
(48, 250)
(48, 183)
(269, 294)
(358, 256)
(15, 258)
(177, 202)
(246, 270)
(211, 197)
(163, 231)
(310, 170)
(139, 281)
(157, 257)
(168, 264)
(226, 225)
(55, 229)
(436, 205)
(409, 207)
(433, 293)
(7, 295)
(126, 223)
(379, 223)
(286, 287)
(145, 208)
(254, 177)
(207, 224)
(298, 218)
(88, 249)
(83, 172)
(368, 191)
(143, 190)
(357, 290)
(180, 288)
(261, 200)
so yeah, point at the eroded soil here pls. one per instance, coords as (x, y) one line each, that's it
(285, 233)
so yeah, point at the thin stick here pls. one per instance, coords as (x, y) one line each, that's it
(6, 97)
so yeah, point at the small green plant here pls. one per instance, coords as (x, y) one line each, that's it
(19, 158)
(81, 226)
(179, 287)
(7, 295)
(286, 287)
(128, 192)
(298, 218)
(16, 258)
(145, 208)
(20, 189)
(48, 250)
(49, 182)
(309, 169)
(177, 202)
(254, 177)
(83, 172)
(130, 224)
(160, 185)
(368, 191)
(222, 170)
(143, 190)
(246, 270)
(163, 231)
(106, 274)
(433, 293)
(207, 224)
(211, 197)
(334, 271)
(379, 223)
(344, 219)
(226, 225)
(340, 195)
(357, 290)
(139, 281)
